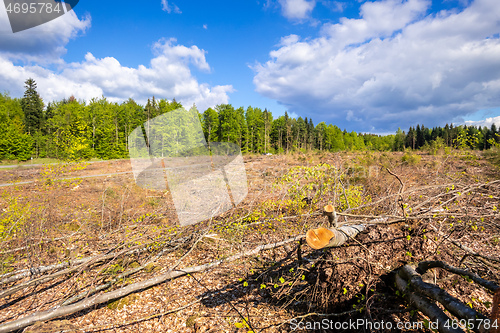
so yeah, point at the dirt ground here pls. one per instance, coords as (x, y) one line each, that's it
(60, 216)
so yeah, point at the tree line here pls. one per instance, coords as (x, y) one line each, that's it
(72, 129)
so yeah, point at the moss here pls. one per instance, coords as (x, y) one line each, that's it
(134, 264)
(190, 321)
(122, 302)
(151, 268)
(113, 269)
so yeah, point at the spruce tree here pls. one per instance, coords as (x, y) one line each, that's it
(32, 106)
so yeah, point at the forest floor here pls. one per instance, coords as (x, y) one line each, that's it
(60, 217)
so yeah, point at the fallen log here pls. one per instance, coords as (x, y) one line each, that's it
(322, 237)
(430, 309)
(473, 318)
(132, 288)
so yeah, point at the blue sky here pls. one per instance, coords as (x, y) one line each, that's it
(368, 66)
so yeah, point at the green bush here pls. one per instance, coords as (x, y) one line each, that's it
(411, 159)
(14, 144)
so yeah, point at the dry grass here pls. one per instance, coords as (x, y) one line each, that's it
(71, 219)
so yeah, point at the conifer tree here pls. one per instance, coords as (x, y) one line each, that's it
(32, 106)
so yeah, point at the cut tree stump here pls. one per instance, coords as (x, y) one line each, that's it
(329, 211)
(322, 237)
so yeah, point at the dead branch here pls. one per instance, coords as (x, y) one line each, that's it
(463, 247)
(117, 278)
(411, 190)
(452, 304)
(428, 308)
(40, 242)
(132, 288)
(18, 275)
(75, 264)
(457, 193)
(84, 263)
(424, 266)
(401, 189)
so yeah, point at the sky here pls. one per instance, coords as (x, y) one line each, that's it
(367, 66)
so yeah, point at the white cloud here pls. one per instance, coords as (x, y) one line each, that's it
(168, 76)
(379, 19)
(44, 43)
(166, 7)
(335, 6)
(297, 9)
(395, 66)
(205, 27)
(486, 122)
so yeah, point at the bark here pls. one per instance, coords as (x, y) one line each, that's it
(424, 266)
(452, 304)
(40, 270)
(428, 308)
(329, 211)
(321, 238)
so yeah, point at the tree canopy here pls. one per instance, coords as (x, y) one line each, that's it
(73, 129)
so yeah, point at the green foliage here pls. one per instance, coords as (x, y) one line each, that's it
(15, 213)
(243, 324)
(32, 106)
(232, 124)
(493, 155)
(69, 129)
(411, 158)
(465, 140)
(353, 142)
(399, 141)
(321, 180)
(210, 123)
(14, 144)
(495, 141)
(436, 146)
(332, 137)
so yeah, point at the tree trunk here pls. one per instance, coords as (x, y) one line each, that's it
(322, 238)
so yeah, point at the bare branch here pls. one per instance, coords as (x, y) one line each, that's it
(132, 288)
(424, 266)
(450, 303)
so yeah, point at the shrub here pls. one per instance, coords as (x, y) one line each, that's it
(411, 159)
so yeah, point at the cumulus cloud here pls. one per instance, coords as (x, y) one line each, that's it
(297, 9)
(169, 8)
(486, 122)
(167, 76)
(44, 43)
(393, 67)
